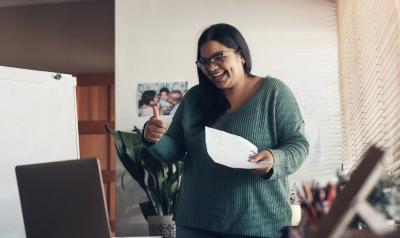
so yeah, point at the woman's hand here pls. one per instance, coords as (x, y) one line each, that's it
(263, 155)
(155, 128)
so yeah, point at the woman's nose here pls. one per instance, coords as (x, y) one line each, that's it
(211, 66)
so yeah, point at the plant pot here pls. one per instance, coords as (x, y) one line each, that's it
(162, 226)
(296, 214)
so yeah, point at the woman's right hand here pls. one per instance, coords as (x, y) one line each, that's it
(155, 128)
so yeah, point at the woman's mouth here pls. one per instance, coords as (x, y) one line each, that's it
(217, 76)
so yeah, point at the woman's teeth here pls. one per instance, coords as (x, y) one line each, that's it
(217, 75)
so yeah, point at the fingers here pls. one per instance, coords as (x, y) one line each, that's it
(156, 112)
(155, 127)
(154, 130)
(157, 123)
(153, 135)
(263, 155)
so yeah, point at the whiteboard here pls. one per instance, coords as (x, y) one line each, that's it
(38, 123)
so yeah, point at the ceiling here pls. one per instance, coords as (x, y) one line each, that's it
(67, 36)
(13, 3)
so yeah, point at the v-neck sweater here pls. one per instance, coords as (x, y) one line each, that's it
(235, 201)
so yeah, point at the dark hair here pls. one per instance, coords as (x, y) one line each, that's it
(213, 101)
(164, 89)
(147, 96)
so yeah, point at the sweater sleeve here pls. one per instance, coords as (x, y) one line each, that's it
(170, 147)
(292, 145)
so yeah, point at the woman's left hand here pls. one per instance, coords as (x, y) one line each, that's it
(263, 155)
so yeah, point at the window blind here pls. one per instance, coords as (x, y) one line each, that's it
(369, 50)
(304, 54)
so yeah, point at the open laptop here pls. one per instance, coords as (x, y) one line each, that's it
(63, 199)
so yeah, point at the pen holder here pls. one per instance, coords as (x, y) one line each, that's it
(296, 214)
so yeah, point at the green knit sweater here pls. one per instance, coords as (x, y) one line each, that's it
(223, 199)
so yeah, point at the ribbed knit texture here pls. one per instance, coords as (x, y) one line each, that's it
(235, 201)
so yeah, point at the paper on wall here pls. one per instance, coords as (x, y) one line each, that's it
(231, 150)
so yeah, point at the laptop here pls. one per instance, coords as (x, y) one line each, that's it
(63, 199)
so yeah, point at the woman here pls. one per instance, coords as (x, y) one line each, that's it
(148, 100)
(217, 201)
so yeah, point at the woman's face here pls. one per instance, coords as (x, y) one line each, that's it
(154, 101)
(224, 72)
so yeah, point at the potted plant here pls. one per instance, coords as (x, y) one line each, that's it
(159, 180)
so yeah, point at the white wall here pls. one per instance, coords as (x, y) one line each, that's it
(294, 40)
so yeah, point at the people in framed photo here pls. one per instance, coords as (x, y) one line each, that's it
(167, 96)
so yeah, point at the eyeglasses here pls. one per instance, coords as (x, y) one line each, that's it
(217, 58)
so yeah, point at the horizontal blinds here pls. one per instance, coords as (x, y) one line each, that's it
(305, 57)
(369, 77)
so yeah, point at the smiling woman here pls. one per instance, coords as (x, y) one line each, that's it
(215, 200)
(227, 73)
(217, 58)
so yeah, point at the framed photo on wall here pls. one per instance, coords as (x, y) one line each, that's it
(167, 96)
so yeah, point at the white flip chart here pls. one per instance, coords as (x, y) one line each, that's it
(38, 123)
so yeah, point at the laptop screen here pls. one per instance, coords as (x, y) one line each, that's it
(63, 199)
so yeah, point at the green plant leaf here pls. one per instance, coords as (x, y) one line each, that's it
(147, 209)
(159, 180)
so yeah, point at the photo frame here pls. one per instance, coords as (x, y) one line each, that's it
(167, 96)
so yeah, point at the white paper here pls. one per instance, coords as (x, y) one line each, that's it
(231, 150)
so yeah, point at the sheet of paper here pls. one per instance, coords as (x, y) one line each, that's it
(231, 150)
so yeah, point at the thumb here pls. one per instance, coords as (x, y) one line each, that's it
(156, 112)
